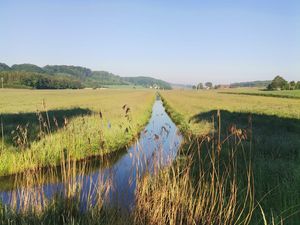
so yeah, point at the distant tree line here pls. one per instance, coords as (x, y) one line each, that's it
(208, 85)
(63, 76)
(257, 83)
(147, 82)
(37, 80)
(279, 83)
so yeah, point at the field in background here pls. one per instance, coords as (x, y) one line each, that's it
(80, 122)
(20, 100)
(272, 131)
(262, 92)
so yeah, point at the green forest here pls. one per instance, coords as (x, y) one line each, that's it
(71, 77)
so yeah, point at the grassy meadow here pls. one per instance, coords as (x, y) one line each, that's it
(39, 126)
(263, 92)
(270, 131)
(238, 163)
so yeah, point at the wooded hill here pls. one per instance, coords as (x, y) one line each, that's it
(62, 76)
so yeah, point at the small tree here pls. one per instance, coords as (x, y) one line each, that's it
(278, 83)
(200, 86)
(194, 87)
(298, 85)
(292, 85)
(209, 84)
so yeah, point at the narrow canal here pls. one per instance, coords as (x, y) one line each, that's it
(156, 147)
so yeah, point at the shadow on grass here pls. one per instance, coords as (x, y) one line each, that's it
(264, 93)
(275, 147)
(273, 136)
(36, 124)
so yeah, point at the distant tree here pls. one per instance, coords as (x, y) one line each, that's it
(200, 86)
(209, 84)
(278, 83)
(194, 87)
(298, 85)
(292, 85)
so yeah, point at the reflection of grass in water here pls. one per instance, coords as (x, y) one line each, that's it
(83, 136)
(275, 146)
(30, 205)
(53, 175)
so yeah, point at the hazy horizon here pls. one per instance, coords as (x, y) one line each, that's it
(179, 42)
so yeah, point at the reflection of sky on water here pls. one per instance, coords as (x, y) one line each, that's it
(157, 145)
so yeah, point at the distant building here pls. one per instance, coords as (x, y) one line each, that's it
(155, 86)
(222, 86)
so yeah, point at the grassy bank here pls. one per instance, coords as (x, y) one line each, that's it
(81, 123)
(270, 128)
(171, 195)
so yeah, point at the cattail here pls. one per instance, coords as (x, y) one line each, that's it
(127, 110)
(232, 128)
(65, 121)
(249, 129)
(55, 122)
(44, 104)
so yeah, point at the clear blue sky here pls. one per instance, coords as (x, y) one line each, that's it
(178, 41)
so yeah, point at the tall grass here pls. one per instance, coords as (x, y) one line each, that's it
(274, 146)
(202, 186)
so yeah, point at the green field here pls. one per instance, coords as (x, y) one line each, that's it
(262, 92)
(238, 164)
(39, 126)
(273, 143)
(125, 87)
